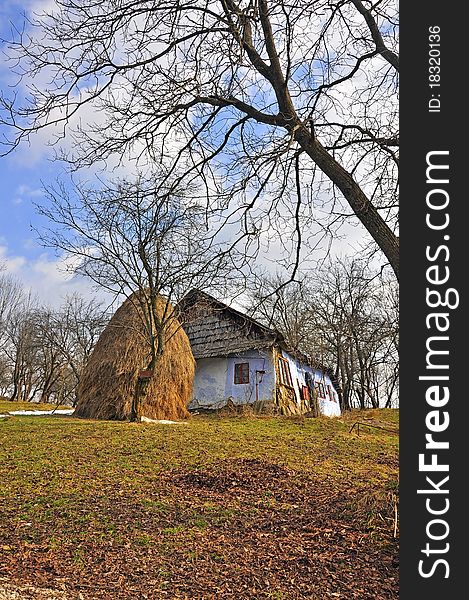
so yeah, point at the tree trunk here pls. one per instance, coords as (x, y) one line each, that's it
(142, 384)
(360, 204)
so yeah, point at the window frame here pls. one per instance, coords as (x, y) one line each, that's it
(241, 371)
(320, 389)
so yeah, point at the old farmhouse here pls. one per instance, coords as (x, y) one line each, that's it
(240, 361)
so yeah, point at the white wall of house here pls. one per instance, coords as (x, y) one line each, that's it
(214, 383)
(261, 386)
(209, 383)
(327, 395)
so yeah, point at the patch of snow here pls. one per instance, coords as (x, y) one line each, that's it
(59, 411)
(162, 421)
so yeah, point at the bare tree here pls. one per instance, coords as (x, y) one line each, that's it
(43, 350)
(139, 244)
(389, 307)
(288, 307)
(19, 358)
(74, 330)
(359, 327)
(5, 379)
(11, 294)
(49, 359)
(343, 316)
(20, 349)
(285, 112)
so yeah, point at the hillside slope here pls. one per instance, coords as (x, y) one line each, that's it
(215, 508)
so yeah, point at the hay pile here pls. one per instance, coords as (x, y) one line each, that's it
(108, 383)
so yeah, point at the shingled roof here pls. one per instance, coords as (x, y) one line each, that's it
(216, 329)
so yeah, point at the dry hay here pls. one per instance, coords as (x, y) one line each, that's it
(108, 383)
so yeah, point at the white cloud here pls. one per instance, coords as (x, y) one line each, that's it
(30, 244)
(55, 271)
(26, 190)
(45, 276)
(11, 264)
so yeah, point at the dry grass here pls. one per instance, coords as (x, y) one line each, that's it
(108, 384)
(9, 405)
(244, 508)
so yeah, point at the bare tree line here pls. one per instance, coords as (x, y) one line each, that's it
(345, 317)
(42, 349)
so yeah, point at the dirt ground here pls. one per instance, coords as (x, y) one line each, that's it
(310, 514)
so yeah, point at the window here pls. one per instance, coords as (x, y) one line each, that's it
(241, 373)
(284, 369)
(331, 393)
(320, 388)
(305, 393)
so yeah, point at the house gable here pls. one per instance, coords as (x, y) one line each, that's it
(215, 329)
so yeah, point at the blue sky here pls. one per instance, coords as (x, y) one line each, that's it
(21, 174)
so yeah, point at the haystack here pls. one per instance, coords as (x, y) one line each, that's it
(108, 384)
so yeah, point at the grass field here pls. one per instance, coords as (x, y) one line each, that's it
(216, 508)
(6, 406)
